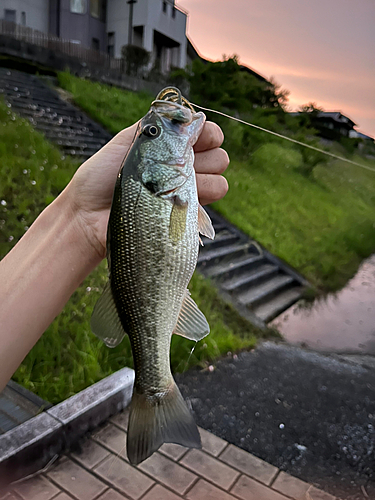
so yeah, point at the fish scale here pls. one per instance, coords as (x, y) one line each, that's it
(135, 279)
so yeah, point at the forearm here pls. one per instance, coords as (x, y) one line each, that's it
(37, 278)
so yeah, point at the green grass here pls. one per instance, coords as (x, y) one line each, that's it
(68, 357)
(322, 225)
(110, 106)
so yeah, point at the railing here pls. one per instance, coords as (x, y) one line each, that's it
(55, 43)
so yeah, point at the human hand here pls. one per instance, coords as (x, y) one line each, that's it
(91, 190)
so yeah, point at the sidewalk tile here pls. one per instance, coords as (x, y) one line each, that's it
(291, 486)
(211, 443)
(76, 480)
(167, 472)
(158, 492)
(210, 468)
(249, 464)
(90, 454)
(111, 495)
(63, 496)
(174, 451)
(8, 496)
(316, 494)
(126, 478)
(121, 419)
(113, 438)
(206, 491)
(248, 489)
(36, 488)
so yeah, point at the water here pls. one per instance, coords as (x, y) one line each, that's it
(342, 322)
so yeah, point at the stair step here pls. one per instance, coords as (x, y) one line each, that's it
(32, 108)
(40, 105)
(267, 289)
(246, 280)
(60, 121)
(79, 138)
(272, 308)
(222, 238)
(219, 226)
(210, 257)
(227, 270)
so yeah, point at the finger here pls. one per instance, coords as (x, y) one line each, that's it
(211, 188)
(210, 138)
(214, 161)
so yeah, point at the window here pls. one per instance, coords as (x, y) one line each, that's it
(111, 44)
(164, 7)
(98, 9)
(23, 18)
(95, 44)
(95, 8)
(78, 6)
(10, 15)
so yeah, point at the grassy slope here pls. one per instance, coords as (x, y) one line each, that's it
(322, 225)
(68, 357)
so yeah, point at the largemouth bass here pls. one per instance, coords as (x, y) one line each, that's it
(152, 251)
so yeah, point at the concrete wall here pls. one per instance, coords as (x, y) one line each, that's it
(37, 12)
(81, 27)
(118, 22)
(150, 15)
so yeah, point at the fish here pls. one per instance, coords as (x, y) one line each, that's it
(152, 250)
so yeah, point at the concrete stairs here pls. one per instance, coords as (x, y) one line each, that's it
(17, 405)
(256, 282)
(61, 122)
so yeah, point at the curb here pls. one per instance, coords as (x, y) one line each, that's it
(30, 446)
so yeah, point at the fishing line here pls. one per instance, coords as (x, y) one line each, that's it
(285, 137)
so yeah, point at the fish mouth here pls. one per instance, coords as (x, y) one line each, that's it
(173, 111)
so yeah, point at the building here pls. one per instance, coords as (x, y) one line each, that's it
(330, 125)
(354, 134)
(334, 121)
(159, 26)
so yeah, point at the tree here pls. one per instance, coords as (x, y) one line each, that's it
(135, 58)
(227, 84)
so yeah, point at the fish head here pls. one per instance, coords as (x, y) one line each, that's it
(165, 140)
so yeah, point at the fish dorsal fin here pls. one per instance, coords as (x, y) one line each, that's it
(205, 226)
(105, 321)
(191, 322)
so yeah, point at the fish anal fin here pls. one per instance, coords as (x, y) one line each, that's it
(159, 419)
(105, 322)
(205, 226)
(191, 322)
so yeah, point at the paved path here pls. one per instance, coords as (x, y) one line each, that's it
(308, 414)
(99, 470)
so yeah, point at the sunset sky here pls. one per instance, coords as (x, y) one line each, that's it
(321, 50)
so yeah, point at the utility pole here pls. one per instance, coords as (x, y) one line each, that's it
(130, 34)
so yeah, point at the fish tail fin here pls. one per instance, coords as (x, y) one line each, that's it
(157, 420)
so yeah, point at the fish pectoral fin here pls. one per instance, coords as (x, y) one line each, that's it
(191, 322)
(205, 226)
(105, 322)
(177, 224)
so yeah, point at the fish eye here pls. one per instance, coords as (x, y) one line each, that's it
(151, 131)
